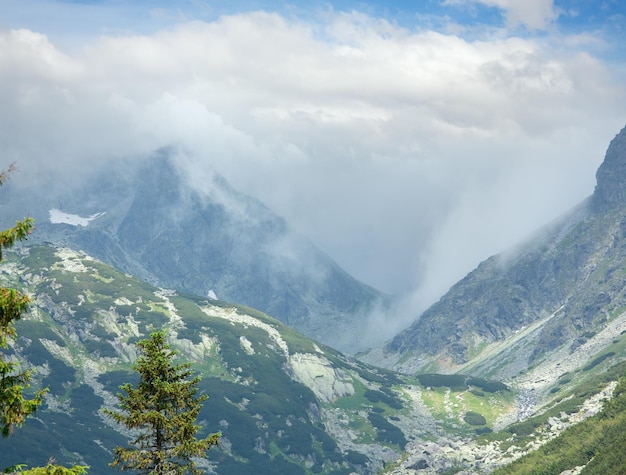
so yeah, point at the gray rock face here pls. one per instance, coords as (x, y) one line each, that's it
(271, 389)
(211, 240)
(610, 189)
(568, 277)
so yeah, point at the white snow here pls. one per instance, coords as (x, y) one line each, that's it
(60, 217)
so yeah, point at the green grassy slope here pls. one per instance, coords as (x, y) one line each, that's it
(598, 443)
(284, 403)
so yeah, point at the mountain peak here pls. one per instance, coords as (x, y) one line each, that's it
(610, 189)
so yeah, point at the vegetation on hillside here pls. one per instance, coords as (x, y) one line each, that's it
(15, 404)
(163, 408)
(82, 335)
(597, 443)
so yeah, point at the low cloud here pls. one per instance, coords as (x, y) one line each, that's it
(408, 156)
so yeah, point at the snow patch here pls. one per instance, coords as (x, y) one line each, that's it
(60, 217)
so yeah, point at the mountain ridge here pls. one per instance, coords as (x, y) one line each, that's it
(570, 271)
(284, 403)
(150, 222)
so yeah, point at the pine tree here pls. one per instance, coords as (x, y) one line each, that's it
(162, 409)
(14, 407)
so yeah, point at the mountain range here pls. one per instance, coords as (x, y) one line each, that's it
(558, 291)
(146, 219)
(531, 342)
(283, 402)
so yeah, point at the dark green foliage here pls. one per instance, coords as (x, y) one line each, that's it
(356, 458)
(36, 330)
(100, 332)
(460, 382)
(60, 375)
(474, 418)
(564, 379)
(596, 361)
(598, 443)
(100, 348)
(114, 379)
(85, 400)
(163, 407)
(54, 435)
(379, 375)
(487, 385)
(151, 320)
(267, 418)
(37, 353)
(40, 257)
(483, 430)
(378, 396)
(387, 432)
(14, 407)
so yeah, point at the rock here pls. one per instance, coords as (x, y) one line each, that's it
(610, 191)
(318, 374)
(516, 310)
(159, 222)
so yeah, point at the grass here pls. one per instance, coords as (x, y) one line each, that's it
(252, 398)
(568, 401)
(450, 398)
(598, 443)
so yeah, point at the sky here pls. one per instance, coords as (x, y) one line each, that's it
(409, 140)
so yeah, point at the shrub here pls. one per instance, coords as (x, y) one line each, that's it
(475, 418)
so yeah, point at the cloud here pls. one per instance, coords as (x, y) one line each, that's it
(533, 14)
(407, 155)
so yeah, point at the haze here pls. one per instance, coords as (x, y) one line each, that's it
(408, 140)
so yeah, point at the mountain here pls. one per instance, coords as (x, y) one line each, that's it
(579, 431)
(530, 343)
(548, 319)
(595, 446)
(145, 218)
(284, 403)
(543, 308)
(280, 399)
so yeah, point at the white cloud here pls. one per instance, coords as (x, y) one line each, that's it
(407, 155)
(534, 14)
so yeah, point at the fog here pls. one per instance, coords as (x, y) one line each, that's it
(407, 154)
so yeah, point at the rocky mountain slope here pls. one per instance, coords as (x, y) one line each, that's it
(147, 219)
(277, 397)
(284, 403)
(541, 309)
(580, 431)
(593, 446)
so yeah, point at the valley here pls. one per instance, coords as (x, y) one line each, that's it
(524, 349)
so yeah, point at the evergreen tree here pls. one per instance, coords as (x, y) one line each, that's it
(162, 409)
(14, 407)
